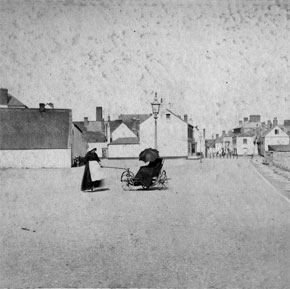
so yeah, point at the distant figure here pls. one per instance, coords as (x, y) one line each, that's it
(93, 175)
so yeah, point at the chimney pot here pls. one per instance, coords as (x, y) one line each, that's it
(275, 121)
(86, 121)
(41, 107)
(287, 122)
(99, 113)
(3, 96)
(186, 117)
(255, 118)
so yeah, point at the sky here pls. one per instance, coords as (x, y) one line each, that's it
(217, 61)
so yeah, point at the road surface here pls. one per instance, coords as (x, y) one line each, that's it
(219, 225)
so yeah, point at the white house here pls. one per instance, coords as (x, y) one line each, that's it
(35, 138)
(245, 143)
(172, 134)
(274, 136)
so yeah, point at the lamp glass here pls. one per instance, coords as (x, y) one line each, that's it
(155, 106)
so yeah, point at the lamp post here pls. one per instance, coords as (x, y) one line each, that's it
(199, 135)
(155, 110)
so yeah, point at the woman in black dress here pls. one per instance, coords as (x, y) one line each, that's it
(93, 177)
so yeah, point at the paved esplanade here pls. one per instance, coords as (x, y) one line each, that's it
(219, 225)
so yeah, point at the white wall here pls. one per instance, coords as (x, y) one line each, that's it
(276, 139)
(54, 158)
(99, 145)
(122, 131)
(172, 139)
(124, 151)
(248, 148)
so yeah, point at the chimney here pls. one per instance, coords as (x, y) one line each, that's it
(223, 133)
(3, 96)
(255, 118)
(42, 107)
(99, 113)
(246, 119)
(287, 122)
(275, 121)
(86, 122)
(108, 129)
(204, 133)
(240, 122)
(217, 136)
(269, 124)
(186, 117)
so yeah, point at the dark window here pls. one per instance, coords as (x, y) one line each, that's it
(276, 131)
(167, 115)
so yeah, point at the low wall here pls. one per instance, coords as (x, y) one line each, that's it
(54, 158)
(124, 151)
(282, 160)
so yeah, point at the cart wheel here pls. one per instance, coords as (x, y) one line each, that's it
(126, 179)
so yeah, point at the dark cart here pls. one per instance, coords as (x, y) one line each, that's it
(150, 176)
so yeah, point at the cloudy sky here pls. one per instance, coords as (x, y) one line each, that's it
(217, 61)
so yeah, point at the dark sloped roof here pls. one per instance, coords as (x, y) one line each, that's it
(92, 137)
(114, 124)
(13, 101)
(131, 117)
(132, 121)
(179, 117)
(279, 148)
(125, 140)
(246, 134)
(22, 129)
(92, 126)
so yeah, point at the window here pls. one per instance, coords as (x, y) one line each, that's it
(245, 141)
(276, 131)
(167, 115)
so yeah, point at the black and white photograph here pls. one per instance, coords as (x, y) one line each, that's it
(145, 144)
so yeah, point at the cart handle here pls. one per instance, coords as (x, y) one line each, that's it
(115, 168)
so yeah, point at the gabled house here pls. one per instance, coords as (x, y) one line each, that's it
(245, 143)
(174, 134)
(228, 140)
(35, 138)
(9, 101)
(274, 136)
(218, 143)
(90, 134)
(125, 135)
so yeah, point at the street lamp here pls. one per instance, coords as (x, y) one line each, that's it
(155, 110)
(200, 153)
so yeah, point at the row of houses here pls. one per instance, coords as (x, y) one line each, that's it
(126, 136)
(252, 136)
(47, 137)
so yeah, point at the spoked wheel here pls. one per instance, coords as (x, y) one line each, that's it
(126, 180)
(145, 187)
(162, 181)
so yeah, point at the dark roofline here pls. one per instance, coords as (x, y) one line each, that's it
(34, 109)
(179, 117)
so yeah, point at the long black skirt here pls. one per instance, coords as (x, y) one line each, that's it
(87, 183)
